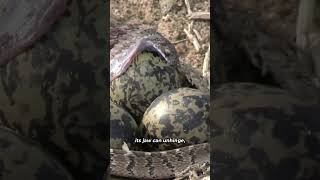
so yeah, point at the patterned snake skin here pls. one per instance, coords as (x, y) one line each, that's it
(157, 165)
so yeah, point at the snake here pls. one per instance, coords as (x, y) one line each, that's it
(157, 165)
(126, 42)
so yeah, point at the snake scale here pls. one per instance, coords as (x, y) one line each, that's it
(125, 43)
(157, 165)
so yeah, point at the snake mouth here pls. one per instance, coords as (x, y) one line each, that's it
(153, 43)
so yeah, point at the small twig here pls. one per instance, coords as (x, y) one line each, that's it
(200, 15)
(197, 34)
(190, 26)
(193, 39)
(188, 7)
(179, 41)
(206, 63)
(206, 66)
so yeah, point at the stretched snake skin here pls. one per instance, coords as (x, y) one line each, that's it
(128, 41)
(157, 165)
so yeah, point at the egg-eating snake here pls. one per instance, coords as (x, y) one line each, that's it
(157, 165)
(125, 43)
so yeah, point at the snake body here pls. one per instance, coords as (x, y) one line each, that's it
(125, 43)
(157, 165)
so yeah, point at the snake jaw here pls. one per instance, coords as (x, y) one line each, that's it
(143, 41)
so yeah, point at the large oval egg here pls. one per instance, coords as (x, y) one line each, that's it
(123, 128)
(147, 77)
(180, 114)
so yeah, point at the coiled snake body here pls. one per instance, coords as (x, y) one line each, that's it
(157, 165)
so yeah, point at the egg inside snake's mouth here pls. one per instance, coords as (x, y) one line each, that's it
(23, 22)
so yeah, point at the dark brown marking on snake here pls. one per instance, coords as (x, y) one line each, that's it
(131, 164)
(180, 157)
(191, 153)
(150, 166)
(168, 164)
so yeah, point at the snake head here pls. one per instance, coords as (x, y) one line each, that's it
(150, 42)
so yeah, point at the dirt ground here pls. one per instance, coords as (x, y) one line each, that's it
(170, 18)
